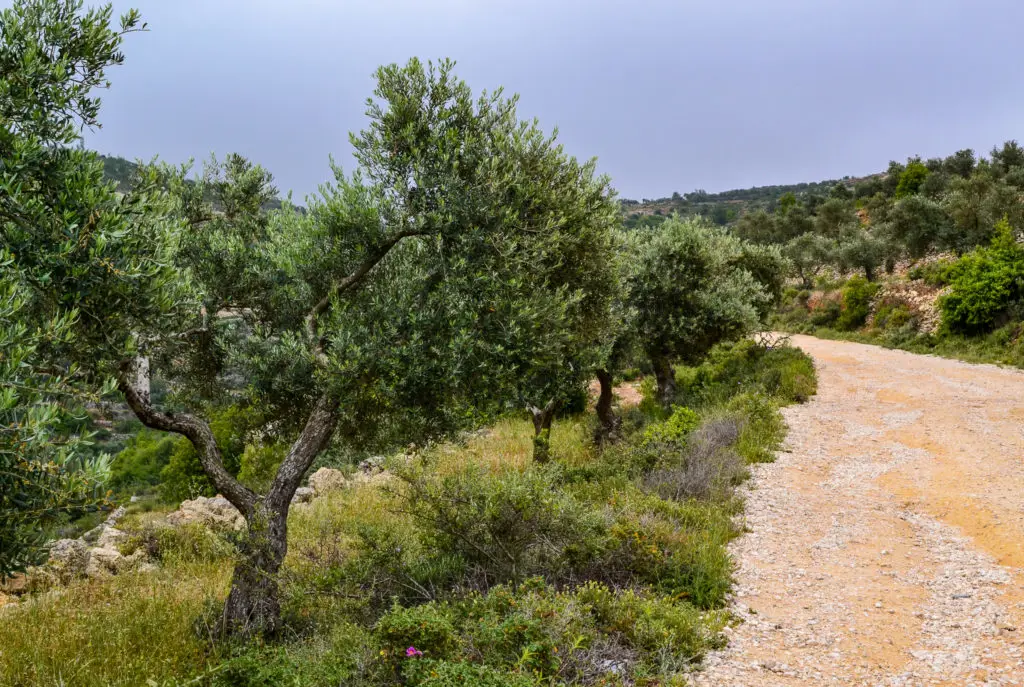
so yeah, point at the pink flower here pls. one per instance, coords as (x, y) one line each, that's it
(413, 651)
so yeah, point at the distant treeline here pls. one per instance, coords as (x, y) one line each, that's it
(123, 171)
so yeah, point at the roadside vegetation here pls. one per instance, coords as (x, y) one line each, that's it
(472, 564)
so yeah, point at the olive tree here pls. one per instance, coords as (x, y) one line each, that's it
(695, 286)
(57, 218)
(415, 296)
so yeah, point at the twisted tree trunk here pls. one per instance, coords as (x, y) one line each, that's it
(665, 375)
(608, 422)
(542, 418)
(253, 605)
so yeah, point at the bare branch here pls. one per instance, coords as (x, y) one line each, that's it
(134, 382)
(313, 439)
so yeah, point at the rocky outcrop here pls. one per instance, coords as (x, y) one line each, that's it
(918, 298)
(326, 480)
(216, 512)
(68, 559)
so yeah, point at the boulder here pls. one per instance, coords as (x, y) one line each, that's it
(68, 558)
(103, 562)
(375, 464)
(302, 495)
(93, 535)
(326, 480)
(214, 512)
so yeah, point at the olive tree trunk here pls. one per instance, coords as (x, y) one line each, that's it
(253, 604)
(665, 375)
(542, 418)
(608, 422)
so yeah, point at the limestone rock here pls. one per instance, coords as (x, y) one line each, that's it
(214, 512)
(302, 495)
(93, 535)
(68, 558)
(103, 562)
(111, 538)
(326, 480)
(374, 464)
(15, 584)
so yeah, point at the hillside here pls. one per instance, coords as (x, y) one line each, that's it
(726, 207)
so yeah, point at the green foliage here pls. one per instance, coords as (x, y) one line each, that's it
(763, 427)
(505, 528)
(43, 480)
(139, 465)
(892, 316)
(673, 430)
(52, 57)
(984, 285)
(692, 289)
(781, 372)
(856, 306)
(933, 273)
(918, 224)
(913, 176)
(183, 476)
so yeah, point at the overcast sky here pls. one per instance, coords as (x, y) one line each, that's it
(670, 96)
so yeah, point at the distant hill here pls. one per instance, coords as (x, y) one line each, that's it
(726, 207)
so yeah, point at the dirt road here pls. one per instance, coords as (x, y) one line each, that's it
(886, 547)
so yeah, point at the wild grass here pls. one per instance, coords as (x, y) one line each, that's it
(123, 631)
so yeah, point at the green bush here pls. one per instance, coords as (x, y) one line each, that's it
(933, 274)
(893, 316)
(783, 372)
(673, 430)
(536, 634)
(826, 313)
(856, 306)
(505, 527)
(763, 427)
(985, 285)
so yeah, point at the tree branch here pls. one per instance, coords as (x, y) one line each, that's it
(133, 381)
(313, 439)
(349, 282)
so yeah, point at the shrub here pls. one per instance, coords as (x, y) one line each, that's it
(139, 464)
(824, 309)
(709, 465)
(856, 306)
(505, 527)
(933, 274)
(673, 430)
(763, 428)
(893, 316)
(536, 634)
(984, 285)
(782, 372)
